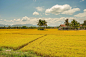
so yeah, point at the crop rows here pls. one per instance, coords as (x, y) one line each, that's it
(50, 42)
(16, 41)
(53, 45)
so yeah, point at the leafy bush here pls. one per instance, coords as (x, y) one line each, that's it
(1, 49)
(40, 28)
(24, 27)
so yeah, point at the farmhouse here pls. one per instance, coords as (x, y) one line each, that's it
(64, 27)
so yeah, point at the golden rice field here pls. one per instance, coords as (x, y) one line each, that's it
(16, 40)
(49, 42)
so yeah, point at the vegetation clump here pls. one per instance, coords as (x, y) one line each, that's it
(42, 24)
(73, 25)
(18, 53)
(1, 49)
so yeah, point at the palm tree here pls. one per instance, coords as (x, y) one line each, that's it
(42, 23)
(66, 22)
(84, 24)
(75, 24)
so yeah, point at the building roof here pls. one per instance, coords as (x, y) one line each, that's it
(62, 25)
(80, 25)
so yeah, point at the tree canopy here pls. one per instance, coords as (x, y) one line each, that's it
(66, 22)
(84, 23)
(75, 24)
(42, 23)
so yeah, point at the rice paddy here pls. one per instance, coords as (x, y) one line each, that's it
(49, 42)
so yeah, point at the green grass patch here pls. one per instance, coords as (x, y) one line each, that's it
(1, 49)
(10, 53)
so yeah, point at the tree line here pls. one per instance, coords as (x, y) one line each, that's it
(16, 27)
(42, 24)
(25, 27)
(75, 25)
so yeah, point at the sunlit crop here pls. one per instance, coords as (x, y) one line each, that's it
(63, 43)
(13, 39)
(54, 45)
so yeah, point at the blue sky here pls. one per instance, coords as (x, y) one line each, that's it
(30, 11)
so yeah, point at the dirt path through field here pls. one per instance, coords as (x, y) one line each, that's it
(28, 43)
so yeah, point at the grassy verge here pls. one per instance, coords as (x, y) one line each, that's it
(10, 53)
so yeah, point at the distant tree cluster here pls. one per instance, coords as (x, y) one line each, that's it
(74, 25)
(42, 24)
(16, 27)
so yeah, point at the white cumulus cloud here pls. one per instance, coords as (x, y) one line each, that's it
(71, 11)
(18, 20)
(35, 13)
(34, 21)
(81, 0)
(0, 19)
(40, 8)
(84, 10)
(62, 9)
(34, 0)
(81, 14)
(46, 14)
(25, 18)
(57, 9)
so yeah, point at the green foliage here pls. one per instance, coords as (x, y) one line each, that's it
(18, 54)
(1, 49)
(9, 27)
(32, 27)
(74, 24)
(24, 27)
(84, 24)
(66, 22)
(42, 23)
(48, 27)
(40, 28)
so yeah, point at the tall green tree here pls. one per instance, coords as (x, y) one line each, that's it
(42, 23)
(9, 27)
(75, 24)
(66, 22)
(84, 23)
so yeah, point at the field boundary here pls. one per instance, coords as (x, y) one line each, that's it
(17, 48)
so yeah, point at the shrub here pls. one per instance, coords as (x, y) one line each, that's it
(1, 49)
(40, 28)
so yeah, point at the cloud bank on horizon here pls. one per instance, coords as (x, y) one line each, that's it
(54, 12)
